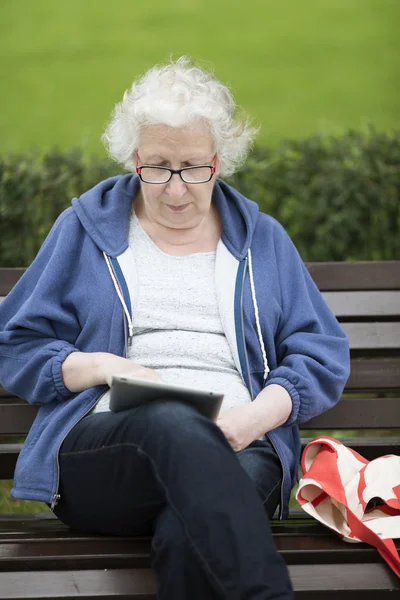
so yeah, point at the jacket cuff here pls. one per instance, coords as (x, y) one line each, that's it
(294, 395)
(62, 392)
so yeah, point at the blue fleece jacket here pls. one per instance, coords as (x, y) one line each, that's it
(66, 302)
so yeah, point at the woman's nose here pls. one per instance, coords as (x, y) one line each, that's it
(176, 187)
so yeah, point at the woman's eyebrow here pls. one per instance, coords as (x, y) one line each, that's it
(156, 157)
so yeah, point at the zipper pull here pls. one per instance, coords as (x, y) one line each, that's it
(55, 501)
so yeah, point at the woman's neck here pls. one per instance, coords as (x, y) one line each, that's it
(203, 237)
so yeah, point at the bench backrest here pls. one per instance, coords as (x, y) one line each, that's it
(365, 297)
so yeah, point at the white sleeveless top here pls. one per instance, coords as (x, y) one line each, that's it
(177, 329)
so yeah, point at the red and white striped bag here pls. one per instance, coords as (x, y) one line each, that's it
(336, 487)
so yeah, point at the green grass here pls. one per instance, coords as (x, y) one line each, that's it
(297, 67)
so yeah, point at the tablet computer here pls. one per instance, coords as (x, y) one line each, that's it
(130, 392)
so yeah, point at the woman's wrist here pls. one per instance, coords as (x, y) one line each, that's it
(272, 407)
(83, 370)
(106, 365)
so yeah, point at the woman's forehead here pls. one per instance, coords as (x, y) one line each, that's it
(160, 142)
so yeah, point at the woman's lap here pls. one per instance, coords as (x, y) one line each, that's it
(108, 484)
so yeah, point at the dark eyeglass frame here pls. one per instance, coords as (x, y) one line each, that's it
(175, 172)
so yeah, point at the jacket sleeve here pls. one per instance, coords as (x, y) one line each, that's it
(38, 325)
(313, 357)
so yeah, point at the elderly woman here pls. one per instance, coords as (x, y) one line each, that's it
(167, 272)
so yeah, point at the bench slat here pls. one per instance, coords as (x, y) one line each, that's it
(8, 278)
(359, 413)
(69, 584)
(4, 394)
(8, 459)
(98, 552)
(374, 375)
(309, 581)
(360, 275)
(45, 526)
(373, 336)
(16, 418)
(363, 304)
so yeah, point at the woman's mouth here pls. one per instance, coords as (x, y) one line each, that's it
(179, 208)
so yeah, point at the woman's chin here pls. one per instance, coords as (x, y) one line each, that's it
(181, 218)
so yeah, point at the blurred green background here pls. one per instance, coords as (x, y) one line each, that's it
(296, 67)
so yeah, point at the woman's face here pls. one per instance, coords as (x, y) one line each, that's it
(176, 204)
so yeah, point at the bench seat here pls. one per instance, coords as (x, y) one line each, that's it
(39, 551)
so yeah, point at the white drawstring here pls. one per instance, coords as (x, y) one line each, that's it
(120, 296)
(260, 338)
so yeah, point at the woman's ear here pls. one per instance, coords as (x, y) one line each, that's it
(216, 164)
(135, 159)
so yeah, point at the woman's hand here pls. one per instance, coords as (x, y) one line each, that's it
(130, 369)
(240, 426)
(82, 370)
(244, 424)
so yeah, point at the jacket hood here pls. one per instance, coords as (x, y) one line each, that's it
(104, 213)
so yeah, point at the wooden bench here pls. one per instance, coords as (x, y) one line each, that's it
(41, 558)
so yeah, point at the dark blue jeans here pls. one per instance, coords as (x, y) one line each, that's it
(164, 470)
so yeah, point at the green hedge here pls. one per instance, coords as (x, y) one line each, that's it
(337, 196)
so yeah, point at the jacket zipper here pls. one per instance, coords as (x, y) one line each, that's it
(56, 497)
(249, 377)
(128, 340)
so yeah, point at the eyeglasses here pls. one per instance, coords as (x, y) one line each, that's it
(154, 174)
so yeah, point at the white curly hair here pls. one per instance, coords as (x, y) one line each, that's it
(178, 94)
